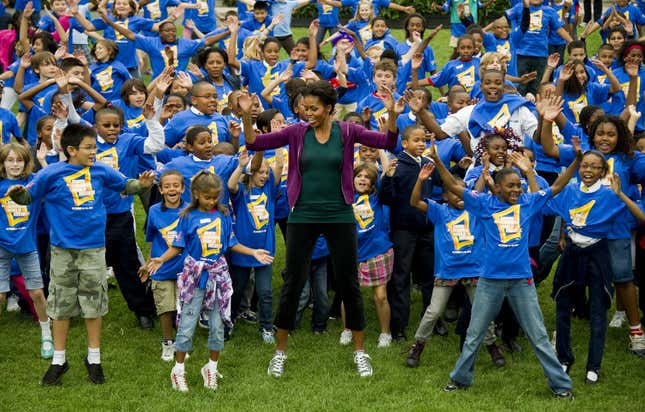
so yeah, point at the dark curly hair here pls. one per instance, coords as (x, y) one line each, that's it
(625, 143)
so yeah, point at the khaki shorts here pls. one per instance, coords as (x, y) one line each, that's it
(165, 293)
(78, 286)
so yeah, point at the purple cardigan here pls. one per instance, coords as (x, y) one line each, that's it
(294, 137)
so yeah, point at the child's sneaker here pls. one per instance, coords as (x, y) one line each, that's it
(384, 340)
(46, 348)
(345, 337)
(249, 316)
(12, 304)
(363, 364)
(618, 320)
(267, 336)
(637, 345)
(167, 350)
(276, 366)
(54, 374)
(95, 373)
(210, 377)
(203, 320)
(178, 380)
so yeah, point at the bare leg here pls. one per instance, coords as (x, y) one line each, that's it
(93, 327)
(59, 331)
(382, 308)
(40, 304)
(281, 339)
(626, 293)
(166, 321)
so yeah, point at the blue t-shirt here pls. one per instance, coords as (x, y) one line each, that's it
(254, 210)
(595, 94)
(623, 79)
(428, 66)
(506, 231)
(175, 129)
(73, 194)
(258, 74)
(107, 78)
(373, 240)
(222, 165)
(158, 52)
(543, 21)
(458, 242)
(205, 236)
(376, 106)
(161, 229)
(134, 120)
(127, 53)
(203, 16)
(457, 71)
(630, 11)
(386, 42)
(281, 204)
(17, 222)
(503, 47)
(8, 126)
(157, 10)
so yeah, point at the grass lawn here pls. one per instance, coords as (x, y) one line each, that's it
(319, 374)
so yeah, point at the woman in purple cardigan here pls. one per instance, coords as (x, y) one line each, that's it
(320, 193)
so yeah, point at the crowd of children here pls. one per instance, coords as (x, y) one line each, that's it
(535, 151)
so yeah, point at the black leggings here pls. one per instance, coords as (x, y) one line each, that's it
(342, 245)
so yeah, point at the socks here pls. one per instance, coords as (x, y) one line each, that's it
(179, 368)
(59, 357)
(45, 330)
(94, 355)
(212, 364)
(636, 330)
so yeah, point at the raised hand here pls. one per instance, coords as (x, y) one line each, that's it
(147, 178)
(414, 103)
(391, 168)
(435, 31)
(184, 80)
(313, 27)
(426, 171)
(566, 72)
(577, 148)
(366, 114)
(59, 110)
(631, 69)
(485, 162)
(633, 113)
(553, 60)
(616, 185)
(417, 61)
(600, 65)
(243, 159)
(528, 77)
(234, 129)
(522, 162)
(148, 110)
(245, 102)
(465, 162)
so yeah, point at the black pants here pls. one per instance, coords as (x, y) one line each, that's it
(597, 10)
(342, 245)
(287, 43)
(527, 64)
(413, 252)
(121, 254)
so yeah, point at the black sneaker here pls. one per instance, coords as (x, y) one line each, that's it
(563, 395)
(54, 374)
(399, 337)
(453, 386)
(496, 355)
(414, 354)
(440, 329)
(95, 372)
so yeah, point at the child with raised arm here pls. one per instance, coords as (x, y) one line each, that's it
(506, 218)
(74, 191)
(205, 232)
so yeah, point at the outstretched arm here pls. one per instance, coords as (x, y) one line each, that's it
(631, 205)
(415, 197)
(565, 177)
(449, 181)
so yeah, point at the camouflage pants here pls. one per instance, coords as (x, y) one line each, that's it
(78, 286)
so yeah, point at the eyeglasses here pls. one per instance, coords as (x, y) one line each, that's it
(208, 96)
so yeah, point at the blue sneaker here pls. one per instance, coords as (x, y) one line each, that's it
(46, 348)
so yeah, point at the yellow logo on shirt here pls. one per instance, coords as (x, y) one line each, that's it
(467, 78)
(210, 237)
(535, 23)
(579, 215)
(501, 119)
(123, 24)
(104, 79)
(80, 185)
(508, 223)
(169, 232)
(109, 158)
(555, 132)
(625, 87)
(365, 33)
(577, 105)
(202, 7)
(363, 212)
(258, 210)
(175, 56)
(268, 77)
(610, 166)
(601, 78)
(213, 128)
(459, 230)
(154, 10)
(15, 213)
(136, 122)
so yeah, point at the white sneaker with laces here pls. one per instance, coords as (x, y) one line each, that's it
(345, 337)
(12, 304)
(167, 350)
(637, 345)
(276, 366)
(618, 320)
(384, 340)
(178, 380)
(363, 364)
(267, 336)
(210, 377)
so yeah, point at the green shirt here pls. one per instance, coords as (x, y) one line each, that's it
(321, 197)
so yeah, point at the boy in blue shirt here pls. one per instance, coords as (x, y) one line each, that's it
(260, 19)
(73, 192)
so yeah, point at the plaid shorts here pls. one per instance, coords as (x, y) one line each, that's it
(377, 270)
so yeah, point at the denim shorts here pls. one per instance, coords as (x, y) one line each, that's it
(620, 253)
(29, 267)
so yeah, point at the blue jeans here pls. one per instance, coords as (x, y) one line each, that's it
(188, 320)
(263, 274)
(29, 265)
(317, 277)
(521, 295)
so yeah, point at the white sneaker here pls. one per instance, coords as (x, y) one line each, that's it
(345, 337)
(12, 304)
(276, 366)
(210, 377)
(363, 364)
(167, 350)
(637, 345)
(384, 340)
(178, 380)
(618, 320)
(267, 336)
